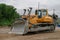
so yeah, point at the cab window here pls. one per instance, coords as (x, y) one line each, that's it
(44, 13)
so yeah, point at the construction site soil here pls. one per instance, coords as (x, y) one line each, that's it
(42, 35)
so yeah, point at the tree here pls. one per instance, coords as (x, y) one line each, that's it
(7, 14)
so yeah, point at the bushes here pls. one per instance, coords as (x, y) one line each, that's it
(7, 14)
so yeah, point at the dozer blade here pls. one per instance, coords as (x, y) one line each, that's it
(20, 28)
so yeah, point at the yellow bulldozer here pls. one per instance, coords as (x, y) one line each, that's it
(41, 20)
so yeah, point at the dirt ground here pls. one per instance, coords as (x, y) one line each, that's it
(30, 36)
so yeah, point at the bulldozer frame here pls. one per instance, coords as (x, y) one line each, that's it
(21, 26)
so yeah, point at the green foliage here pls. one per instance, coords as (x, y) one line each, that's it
(7, 14)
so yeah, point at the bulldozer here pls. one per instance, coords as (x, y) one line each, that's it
(41, 20)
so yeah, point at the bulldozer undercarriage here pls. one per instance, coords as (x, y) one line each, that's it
(21, 27)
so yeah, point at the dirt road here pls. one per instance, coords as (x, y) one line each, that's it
(32, 36)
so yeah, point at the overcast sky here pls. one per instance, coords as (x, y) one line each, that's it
(21, 4)
(32, 3)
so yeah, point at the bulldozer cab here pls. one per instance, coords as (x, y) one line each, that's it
(41, 12)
